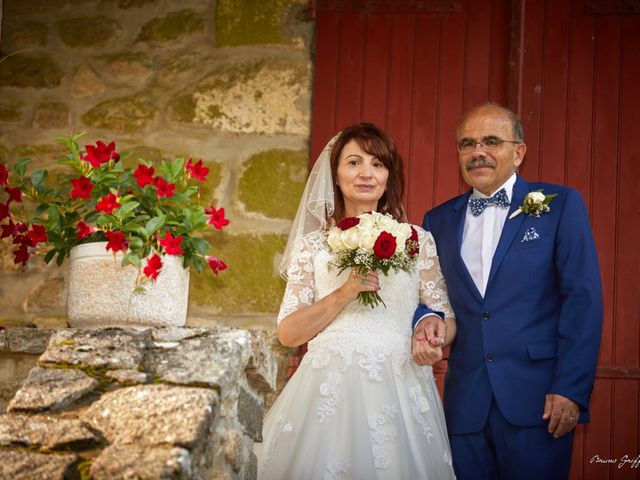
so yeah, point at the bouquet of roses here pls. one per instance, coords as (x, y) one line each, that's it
(373, 242)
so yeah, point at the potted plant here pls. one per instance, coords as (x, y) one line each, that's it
(145, 220)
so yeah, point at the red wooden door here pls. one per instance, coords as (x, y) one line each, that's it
(568, 67)
(580, 106)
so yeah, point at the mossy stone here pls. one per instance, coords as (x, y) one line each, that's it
(150, 154)
(172, 27)
(250, 284)
(23, 71)
(246, 22)
(52, 114)
(182, 108)
(273, 181)
(10, 111)
(126, 114)
(32, 7)
(31, 33)
(82, 32)
(4, 154)
(42, 154)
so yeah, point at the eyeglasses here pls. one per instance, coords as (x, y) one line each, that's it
(488, 144)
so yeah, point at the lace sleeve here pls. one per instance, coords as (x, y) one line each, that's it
(433, 289)
(300, 290)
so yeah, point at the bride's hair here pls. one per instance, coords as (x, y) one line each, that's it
(378, 143)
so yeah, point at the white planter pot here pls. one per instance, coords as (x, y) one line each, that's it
(101, 291)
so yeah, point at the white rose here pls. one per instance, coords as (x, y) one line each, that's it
(388, 224)
(536, 197)
(367, 222)
(350, 238)
(334, 240)
(402, 233)
(368, 239)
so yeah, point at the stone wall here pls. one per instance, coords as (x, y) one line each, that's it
(182, 403)
(227, 81)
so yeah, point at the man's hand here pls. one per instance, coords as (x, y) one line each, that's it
(428, 338)
(562, 414)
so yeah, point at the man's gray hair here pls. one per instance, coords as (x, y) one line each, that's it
(516, 124)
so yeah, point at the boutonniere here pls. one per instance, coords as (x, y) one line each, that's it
(534, 204)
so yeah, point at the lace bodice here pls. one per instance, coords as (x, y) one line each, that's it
(310, 279)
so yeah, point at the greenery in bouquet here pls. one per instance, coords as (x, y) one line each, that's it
(373, 242)
(142, 212)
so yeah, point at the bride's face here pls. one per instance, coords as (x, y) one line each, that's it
(362, 179)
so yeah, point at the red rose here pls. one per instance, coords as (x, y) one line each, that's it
(347, 223)
(414, 238)
(385, 245)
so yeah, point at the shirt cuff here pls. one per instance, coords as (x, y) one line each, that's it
(425, 316)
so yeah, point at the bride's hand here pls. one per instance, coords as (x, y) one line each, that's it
(422, 351)
(360, 283)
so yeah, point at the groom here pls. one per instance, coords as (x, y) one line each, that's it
(525, 288)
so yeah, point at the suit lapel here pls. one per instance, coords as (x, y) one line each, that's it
(459, 213)
(511, 227)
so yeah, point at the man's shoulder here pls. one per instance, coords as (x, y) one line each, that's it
(448, 205)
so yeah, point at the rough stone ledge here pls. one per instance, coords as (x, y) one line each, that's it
(176, 403)
(27, 340)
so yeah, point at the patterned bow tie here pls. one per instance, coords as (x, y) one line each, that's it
(499, 199)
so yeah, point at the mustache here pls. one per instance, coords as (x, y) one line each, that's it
(478, 163)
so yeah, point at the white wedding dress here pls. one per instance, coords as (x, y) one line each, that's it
(358, 407)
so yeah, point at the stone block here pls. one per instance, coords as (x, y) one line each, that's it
(172, 27)
(25, 465)
(10, 111)
(50, 295)
(45, 431)
(51, 114)
(245, 22)
(267, 97)
(3, 340)
(122, 115)
(250, 285)
(28, 340)
(154, 415)
(271, 180)
(216, 360)
(129, 461)
(29, 33)
(86, 83)
(262, 369)
(51, 389)
(103, 348)
(250, 414)
(87, 32)
(29, 71)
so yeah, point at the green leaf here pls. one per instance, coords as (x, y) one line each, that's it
(201, 245)
(154, 224)
(38, 177)
(49, 256)
(127, 207)
(21, 166)
(60, 258)
(133, 259)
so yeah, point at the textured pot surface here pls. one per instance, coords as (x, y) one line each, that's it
(101, 291)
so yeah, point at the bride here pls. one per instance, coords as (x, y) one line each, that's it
(358, 407)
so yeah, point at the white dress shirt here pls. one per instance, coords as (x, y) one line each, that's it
(481, 235)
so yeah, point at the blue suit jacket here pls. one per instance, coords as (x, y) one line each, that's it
(537, 329)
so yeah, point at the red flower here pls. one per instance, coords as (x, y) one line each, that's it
(414, 238)
(101, 153)
(144, 175)
(37, 234)
(347, 223)
(196, 170)
(116, 241)
(216, 217)
(216, 264)
(4, 211)
(107, 204)
(84, 230)
(14, 194)
(154, 264)
(21, 255)
(171, 245)
(13, 229)
(385, 245)
(81, 187)
(4, 174)
(164, 189)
